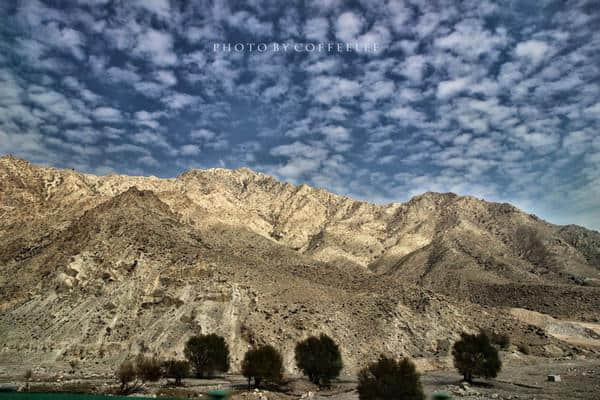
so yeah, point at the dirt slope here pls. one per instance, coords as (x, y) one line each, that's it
(100, 267)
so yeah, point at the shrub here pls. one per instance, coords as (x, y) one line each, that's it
(207, 354)
(319, 359)
(390, 379)
(126, 375)
(28, 375)
(148, 369)
(177, 370)
(262, 364)
(523, 348)
(475, 356)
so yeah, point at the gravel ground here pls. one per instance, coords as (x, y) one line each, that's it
(523, 378)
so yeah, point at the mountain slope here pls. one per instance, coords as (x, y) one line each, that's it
(100, 267)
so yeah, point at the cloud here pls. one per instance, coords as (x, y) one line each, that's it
(471, 40)
(316, 29)
(166, 77)
(336, 136)
(161, 8)
(178, 101)
(535, 50)
(452, 87)
(348, 26)
(156, 46)
(413, 68)
(189, 150)
(380, 90)
(327, 90)
(107, 114)
(245, 21)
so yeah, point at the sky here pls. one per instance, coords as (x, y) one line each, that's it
(378, 100)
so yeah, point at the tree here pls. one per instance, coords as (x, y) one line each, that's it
(126, 374)
(501, 340)
(262, 363)
(474, 356)
(390, 379)
(27, 377)
(207, 354)
(319, 358)
(177, 370)
(148, 369)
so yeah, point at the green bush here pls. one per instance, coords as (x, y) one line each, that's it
(262, 364)
(177, 370)
(319, 358)
(207, 354)
(474, 355)
(389, 379)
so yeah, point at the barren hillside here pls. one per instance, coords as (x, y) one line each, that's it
(96, 268)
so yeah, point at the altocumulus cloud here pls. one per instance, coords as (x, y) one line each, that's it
(476, 97)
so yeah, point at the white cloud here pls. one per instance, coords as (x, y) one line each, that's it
(166, 77)
(535, 50)
(243, 20)
(413, 68)
(335, 135)
(450, 88)
(107, 114)
(316, 29)
(156, 46)
(178, 101)
(348, 26)
(471, 40)
(189, 150)
(380, 90)
(327, 90)
(117, 74)
(203, 134)
(406, 115)
(161, 8)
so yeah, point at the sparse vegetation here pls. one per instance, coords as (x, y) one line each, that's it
(474, 355)
(523, 348)
(127, 376)
(176, 370)
(262, 364)
(27, 377)
(133, 374)
(207, 354)
(148, 369)
(319, 358)
(391, 379)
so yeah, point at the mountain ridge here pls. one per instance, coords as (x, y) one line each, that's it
(240, 253)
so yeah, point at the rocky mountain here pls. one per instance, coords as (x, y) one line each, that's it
(101, 267)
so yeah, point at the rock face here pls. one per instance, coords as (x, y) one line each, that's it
(98, 268)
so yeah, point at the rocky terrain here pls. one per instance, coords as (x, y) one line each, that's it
(96, 268)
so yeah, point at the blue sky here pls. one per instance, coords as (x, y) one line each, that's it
(500, 100)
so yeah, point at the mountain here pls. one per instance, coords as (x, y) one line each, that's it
(99, 267)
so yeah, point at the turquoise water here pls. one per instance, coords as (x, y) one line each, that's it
(65, 396)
